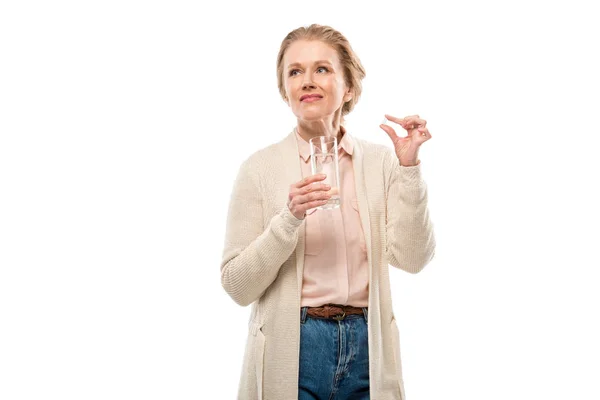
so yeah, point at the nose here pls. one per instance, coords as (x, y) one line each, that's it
(307, 82)
(308, 85)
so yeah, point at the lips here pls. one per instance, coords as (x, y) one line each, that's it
(310, 97)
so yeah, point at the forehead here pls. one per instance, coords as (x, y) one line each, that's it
(307, 52)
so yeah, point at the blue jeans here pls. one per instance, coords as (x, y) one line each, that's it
(334, 358)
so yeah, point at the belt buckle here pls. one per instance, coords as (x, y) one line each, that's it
(340, 317)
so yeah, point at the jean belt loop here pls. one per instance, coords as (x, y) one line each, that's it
(303, 311)
(366, 313)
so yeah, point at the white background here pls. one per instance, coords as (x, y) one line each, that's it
(123, 125)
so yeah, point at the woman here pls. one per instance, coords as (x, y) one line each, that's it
(322, 324)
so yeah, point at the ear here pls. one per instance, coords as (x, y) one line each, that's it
(348, 96)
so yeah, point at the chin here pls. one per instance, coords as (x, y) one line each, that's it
(313, 115)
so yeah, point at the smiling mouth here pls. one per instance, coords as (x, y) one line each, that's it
(311, 99)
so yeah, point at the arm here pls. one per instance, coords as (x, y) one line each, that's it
(410, 240)
(252, 256)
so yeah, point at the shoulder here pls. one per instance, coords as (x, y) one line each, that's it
(266, 159)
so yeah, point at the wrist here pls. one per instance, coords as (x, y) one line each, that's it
(410, 163)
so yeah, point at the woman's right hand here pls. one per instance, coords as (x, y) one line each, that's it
(305, 195)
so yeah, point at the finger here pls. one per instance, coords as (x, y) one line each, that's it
(413, 122)
(399, 120)
(309, 179)
(316, 187)
(313, 204)
(314, 196)
(408, 123)
(424, 132)
(390, 131)
(394, 119)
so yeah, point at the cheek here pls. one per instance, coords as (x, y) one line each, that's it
(331, 86)
(290, 88)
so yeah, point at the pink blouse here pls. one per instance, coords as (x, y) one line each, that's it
(335, 260)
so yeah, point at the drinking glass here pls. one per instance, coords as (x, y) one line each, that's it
(324, 160)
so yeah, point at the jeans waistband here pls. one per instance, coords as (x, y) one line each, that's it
(335, 313)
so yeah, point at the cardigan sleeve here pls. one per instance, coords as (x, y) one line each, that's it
(410, 240)
(253, 254)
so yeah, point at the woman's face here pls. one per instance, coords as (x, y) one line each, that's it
(313, 68)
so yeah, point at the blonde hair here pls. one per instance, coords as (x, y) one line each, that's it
(354, 71)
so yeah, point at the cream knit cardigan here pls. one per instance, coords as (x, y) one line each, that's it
(264, 253)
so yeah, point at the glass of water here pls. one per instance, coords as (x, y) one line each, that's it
(324, 160)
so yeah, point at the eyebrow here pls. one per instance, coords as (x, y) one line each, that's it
(316, 62)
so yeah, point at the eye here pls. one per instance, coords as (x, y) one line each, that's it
(292, 72)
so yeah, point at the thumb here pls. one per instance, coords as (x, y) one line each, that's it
(390, 131)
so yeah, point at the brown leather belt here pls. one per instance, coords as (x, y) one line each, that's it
(333, 311)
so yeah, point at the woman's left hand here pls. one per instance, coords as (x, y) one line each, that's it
(407, 147)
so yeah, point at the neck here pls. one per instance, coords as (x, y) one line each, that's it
(310, 129)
